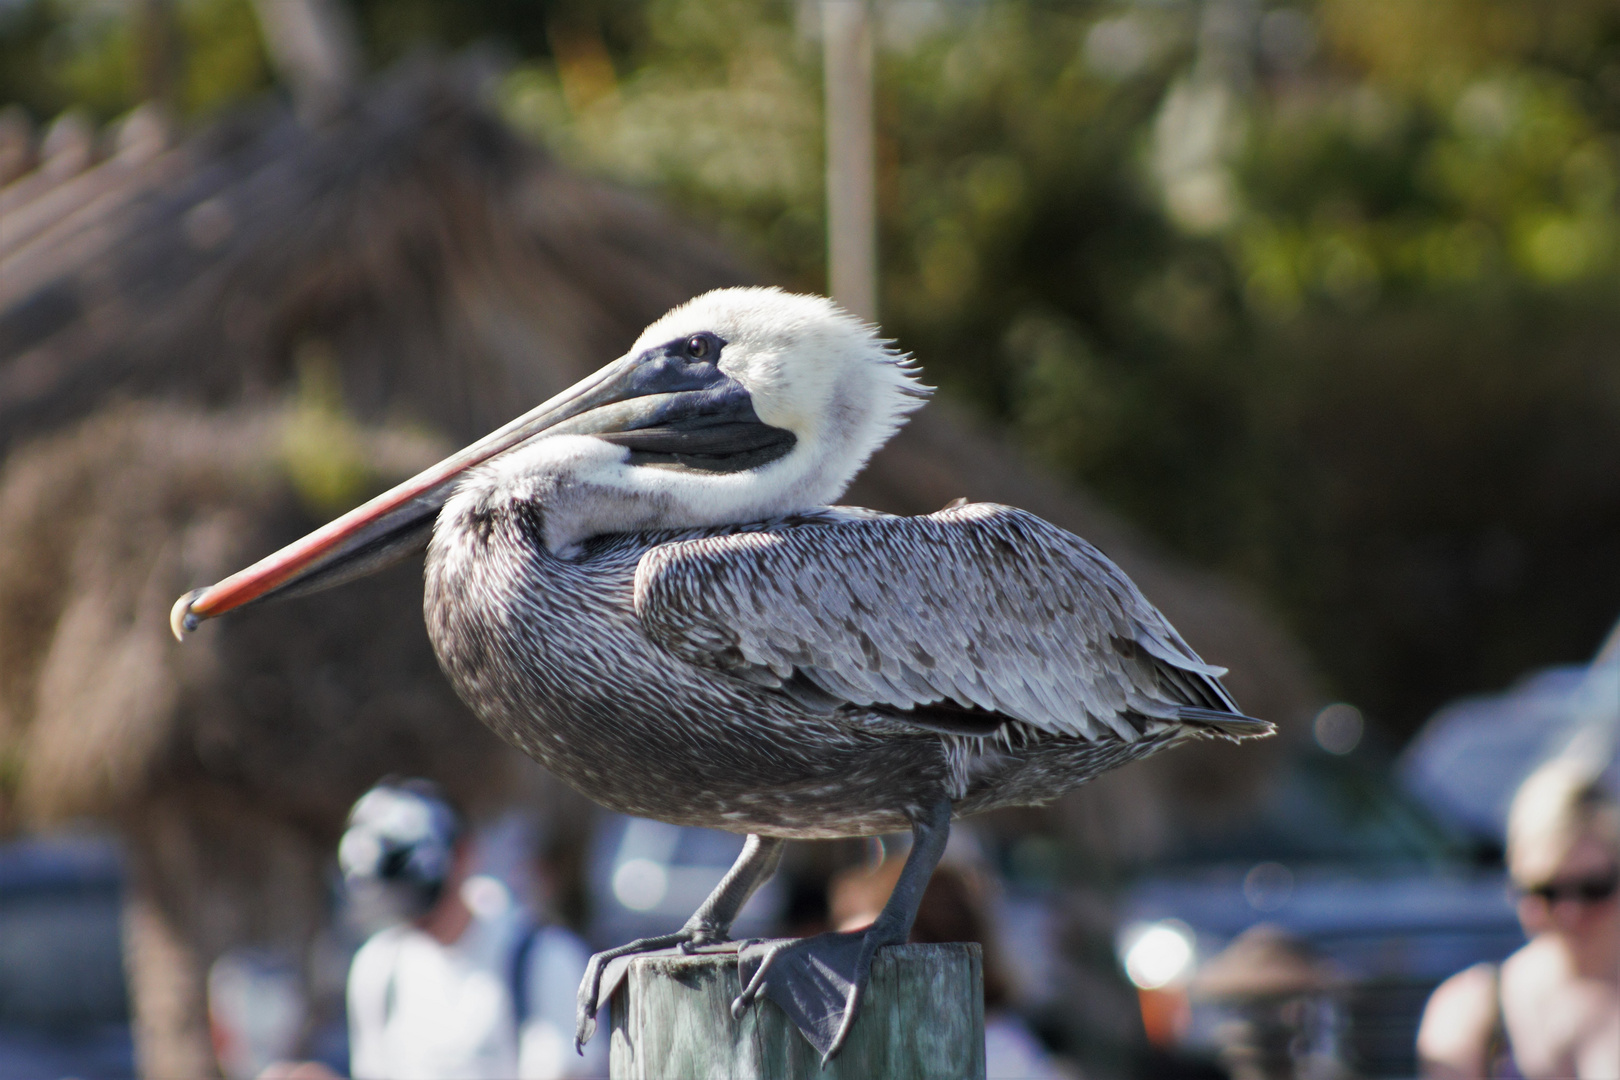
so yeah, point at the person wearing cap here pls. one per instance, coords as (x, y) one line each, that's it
(1552, 1009)
(458, 984)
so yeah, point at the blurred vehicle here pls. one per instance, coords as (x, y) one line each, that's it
(1338, 856)
(63, 1009)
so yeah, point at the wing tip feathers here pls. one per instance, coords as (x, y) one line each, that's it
(1230, 725)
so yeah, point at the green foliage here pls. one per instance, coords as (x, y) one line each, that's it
(26, 74)
(105, 56)
(723, 116)
(393, 29)
(96, 64)
(322, 449)
(224, 60)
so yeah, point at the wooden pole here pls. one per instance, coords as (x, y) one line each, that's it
(313, 47)
(922, 1018)
(158, 48)
(846, 28)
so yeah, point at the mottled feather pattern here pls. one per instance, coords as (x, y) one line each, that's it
(711, 658)
(983, 606)
(548, 652)
(556, 654)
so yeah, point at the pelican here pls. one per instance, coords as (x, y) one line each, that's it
(645, 585)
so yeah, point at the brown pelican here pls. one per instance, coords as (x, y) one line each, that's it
(642, 583)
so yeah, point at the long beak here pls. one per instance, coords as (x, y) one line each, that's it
(397, 521)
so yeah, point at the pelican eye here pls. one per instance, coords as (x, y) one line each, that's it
(701, 346)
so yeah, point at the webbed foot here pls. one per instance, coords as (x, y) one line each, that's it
(818, 981)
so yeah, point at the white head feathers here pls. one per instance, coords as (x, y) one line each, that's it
(809, 368)
(812, 369)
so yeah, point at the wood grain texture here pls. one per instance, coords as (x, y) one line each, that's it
(923, 1017)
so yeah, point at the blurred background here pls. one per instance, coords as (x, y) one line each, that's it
(1304, 312)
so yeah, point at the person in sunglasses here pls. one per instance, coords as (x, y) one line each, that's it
(1552, 1009)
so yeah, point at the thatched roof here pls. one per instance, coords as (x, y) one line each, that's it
(452, 272)
(300, 707)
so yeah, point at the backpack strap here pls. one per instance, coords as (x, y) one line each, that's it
(517, 975)
(1499, 1061)
(389, 993)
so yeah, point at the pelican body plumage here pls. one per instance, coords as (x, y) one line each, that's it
(643, 584)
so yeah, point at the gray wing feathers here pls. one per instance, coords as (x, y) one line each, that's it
(983, 605)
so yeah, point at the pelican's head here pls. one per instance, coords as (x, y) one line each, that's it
(740, 405)
(805, 367)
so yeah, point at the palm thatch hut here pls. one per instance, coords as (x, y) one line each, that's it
(206, 346)
(227, 768)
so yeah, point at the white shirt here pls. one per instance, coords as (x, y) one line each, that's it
(421, 1010)
(1012, 1052)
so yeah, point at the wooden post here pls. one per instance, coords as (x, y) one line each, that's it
(922, 1019)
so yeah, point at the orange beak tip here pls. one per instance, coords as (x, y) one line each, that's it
(182, 620)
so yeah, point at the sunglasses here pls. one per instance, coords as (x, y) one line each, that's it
(1589, 890)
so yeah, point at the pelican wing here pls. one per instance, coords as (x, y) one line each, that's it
(981, 611)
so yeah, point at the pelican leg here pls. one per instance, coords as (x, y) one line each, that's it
(819, 981)
(709, 925)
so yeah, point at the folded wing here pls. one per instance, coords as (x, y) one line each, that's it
(962, 619)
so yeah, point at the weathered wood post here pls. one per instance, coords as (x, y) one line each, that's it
(922, 1019)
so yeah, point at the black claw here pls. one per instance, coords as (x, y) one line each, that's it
(591, 988)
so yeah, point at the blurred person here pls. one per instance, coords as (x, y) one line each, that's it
(955, 908)
(1552, 1009)
(298, 1070)
(462, 983)
(1278, 1002)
